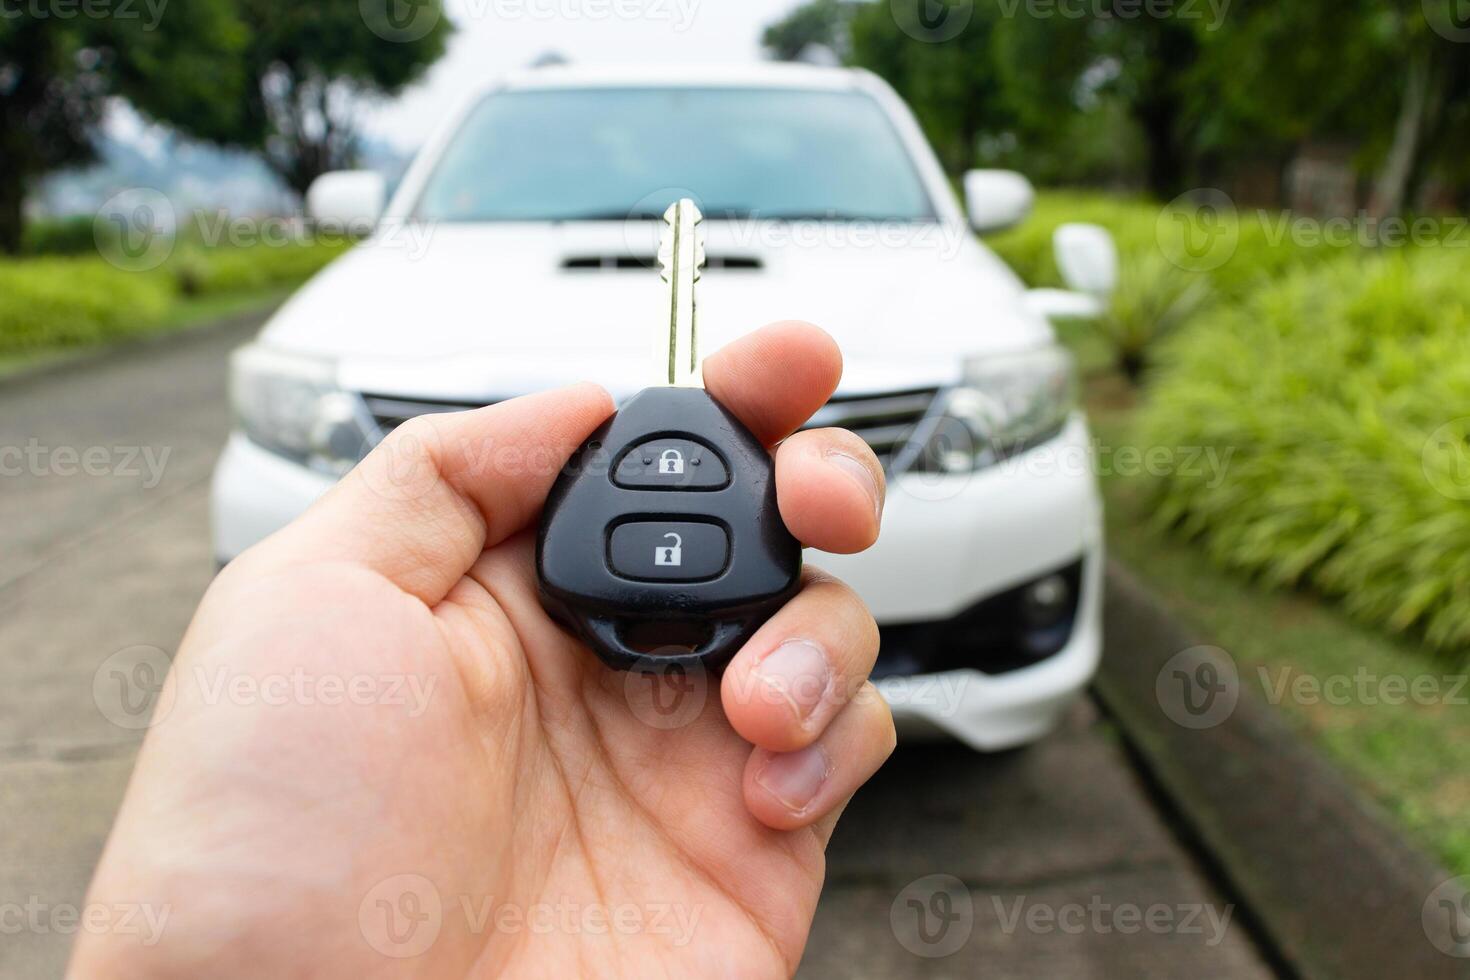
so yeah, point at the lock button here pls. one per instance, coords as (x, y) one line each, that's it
(671, 464)
(668, 551)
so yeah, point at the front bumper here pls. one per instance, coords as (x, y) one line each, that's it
(948, 543)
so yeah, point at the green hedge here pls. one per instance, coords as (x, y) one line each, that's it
(1173, 264)
(1337, 393)
(74, 301)
(201, 271)
(1254, 248)
(70, 302)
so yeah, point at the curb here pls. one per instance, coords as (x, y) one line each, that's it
(1336, 890)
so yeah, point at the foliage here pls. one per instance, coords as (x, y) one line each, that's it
(200, 271)
(280, 78)
(1340, 393)
(953, 86)
(1162, 282)
(308, 64)
(75, 301)
(60, 236)
(1171, 99)
(820, 22)
(1059, 68)
(57, 74)
(1411, 752)
(1154, 298)
(66, 302)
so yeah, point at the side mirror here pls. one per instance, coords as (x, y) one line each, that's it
(349, 200)
(1087, 258)
(997, 199)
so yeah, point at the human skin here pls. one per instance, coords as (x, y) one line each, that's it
(534, 813)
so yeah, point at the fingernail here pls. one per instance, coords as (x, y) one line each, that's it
(854, 467)
(795, 778)
(797, 671)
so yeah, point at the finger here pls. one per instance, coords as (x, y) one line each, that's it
(830, 487)
(440, 489)
(788, 790)
(795, 675)
(775, 378)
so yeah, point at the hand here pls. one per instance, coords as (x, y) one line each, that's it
(452, 785)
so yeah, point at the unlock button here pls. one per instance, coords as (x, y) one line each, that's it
(671, 551)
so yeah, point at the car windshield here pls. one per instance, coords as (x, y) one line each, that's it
(608, 154)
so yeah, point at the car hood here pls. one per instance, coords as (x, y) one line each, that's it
(484, 311)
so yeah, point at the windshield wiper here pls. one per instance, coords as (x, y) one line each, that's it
(641, 214)
(714, 213)
(830, 216)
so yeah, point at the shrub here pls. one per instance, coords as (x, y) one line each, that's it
(1153, 299)
(200, 270)
(1027, 248)
(1341, 395)
(1255, 247)
(65, 302)
(74, 235)
(1171, 261)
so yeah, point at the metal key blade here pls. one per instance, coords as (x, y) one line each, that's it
(680, 258)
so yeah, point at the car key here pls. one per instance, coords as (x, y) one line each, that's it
(661, 545)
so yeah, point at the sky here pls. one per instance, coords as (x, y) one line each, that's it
(493, 36)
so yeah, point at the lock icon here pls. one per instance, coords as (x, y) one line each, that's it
(665, 555)
(671, 463)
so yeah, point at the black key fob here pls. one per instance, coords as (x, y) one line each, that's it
(661, 545)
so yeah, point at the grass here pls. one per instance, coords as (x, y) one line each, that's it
(56, 305)
(188, 313)
(1346, 686)
(1413, 758)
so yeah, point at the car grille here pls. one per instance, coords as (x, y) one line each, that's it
(886, 422)
(390, 412)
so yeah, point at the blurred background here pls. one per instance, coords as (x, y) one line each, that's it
(1287, 184)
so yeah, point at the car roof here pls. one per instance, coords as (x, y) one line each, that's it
(757, 75)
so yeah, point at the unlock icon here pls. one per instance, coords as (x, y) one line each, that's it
(665, 555)
(671, 463)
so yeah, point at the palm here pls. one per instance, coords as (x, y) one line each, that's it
(487, 796)
(622, 795)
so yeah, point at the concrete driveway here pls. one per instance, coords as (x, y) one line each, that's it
(1051, 862)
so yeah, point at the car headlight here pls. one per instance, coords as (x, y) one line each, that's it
(291, 405)
(1004, 404)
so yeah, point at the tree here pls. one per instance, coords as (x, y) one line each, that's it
(309, 65)
(1394, 78)
(1143, 63)
(822, 23)
(948, 76)
(56, 75)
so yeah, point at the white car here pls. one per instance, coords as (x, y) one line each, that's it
(517, 253)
